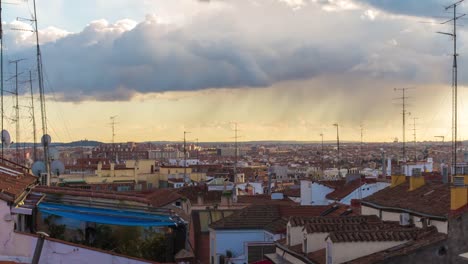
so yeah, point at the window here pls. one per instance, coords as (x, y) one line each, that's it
(149, 186)
(123, 188)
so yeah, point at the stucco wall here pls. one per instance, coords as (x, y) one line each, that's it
(366, 190)
(296, 235)
(390, 216)
(342, 252)
(365, 210)
(316, 241)
(234, 241)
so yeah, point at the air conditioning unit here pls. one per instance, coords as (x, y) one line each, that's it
(404, 219)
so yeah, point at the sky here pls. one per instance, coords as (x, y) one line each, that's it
(281, 69)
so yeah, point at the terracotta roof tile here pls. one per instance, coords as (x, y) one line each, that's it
(345, 190)
(363, 219)
(13, 186)
(155, 198)
(432, 198)
(391, 234)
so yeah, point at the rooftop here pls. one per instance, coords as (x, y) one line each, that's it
(431, 199)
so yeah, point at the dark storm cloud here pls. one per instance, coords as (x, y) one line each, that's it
(249, 45)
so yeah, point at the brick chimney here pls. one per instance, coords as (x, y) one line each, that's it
(459, 193)
(416, 182)
(397, 180)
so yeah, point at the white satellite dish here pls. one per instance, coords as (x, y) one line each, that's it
(54, 154)
(57, 167)
(6, 139)
(46, 139)
(38, 167)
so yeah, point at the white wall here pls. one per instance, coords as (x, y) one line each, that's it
(234, 241)
(390, 216)
(342, 252)
(314, 193)
(296, 235)
(366, 190)
(365, 210)
(316, 241)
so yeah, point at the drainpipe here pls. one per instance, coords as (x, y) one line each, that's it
(39, 245)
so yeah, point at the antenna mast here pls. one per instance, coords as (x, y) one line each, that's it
(414, 138)
(360, 146)
(403, 113)
(454, 81)
(17, 114)
(41, 93)
(338, 148)
(112, 118)
(321, 154)
(33, 116)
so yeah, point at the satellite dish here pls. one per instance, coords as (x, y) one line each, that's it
(46, 139)
(38, 167)
(54, 154)
(6, 139)
(57, 167)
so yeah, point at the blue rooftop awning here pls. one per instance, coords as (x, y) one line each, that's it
(106, 216)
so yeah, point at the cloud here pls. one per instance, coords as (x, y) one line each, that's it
(244, 44)
(410, 7)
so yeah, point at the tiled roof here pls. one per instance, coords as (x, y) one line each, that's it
(396, 234)
(333, 184)
(192, 192)
(253, 217)
(319, 256)
(430, 199)
(407, 248)
(272, 217)
(278, 226)
(263, 199)
(156, 198)
(13, 185)
(292, 192)
(344, 190)
(349, 220)
(327, 228)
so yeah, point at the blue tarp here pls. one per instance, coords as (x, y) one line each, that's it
(106, 216)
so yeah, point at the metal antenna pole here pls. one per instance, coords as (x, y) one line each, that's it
(414, 138)
(235, 154)
(185, 155)
(338, 148)
(454, 81)
(17, 114)
(403, 113)
(321, 154)
(112, 118)
(33, 118)
(41, 93)
(360, 146)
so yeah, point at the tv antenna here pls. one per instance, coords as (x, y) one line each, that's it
(321, 154)
(454, 79)
(404, 113)
(33, 117)
(442, 137)
(112, 118)
(414, 139)
(185, 155)
(338, 148)
(236, 149)
(17, 113)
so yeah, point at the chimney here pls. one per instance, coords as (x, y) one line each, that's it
(99, 167)
(397, 180)
(389, 167)
(459, 193)
(226, 198)
(416, 182)
(200, 200)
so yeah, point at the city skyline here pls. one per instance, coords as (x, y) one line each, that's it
(164, 68)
